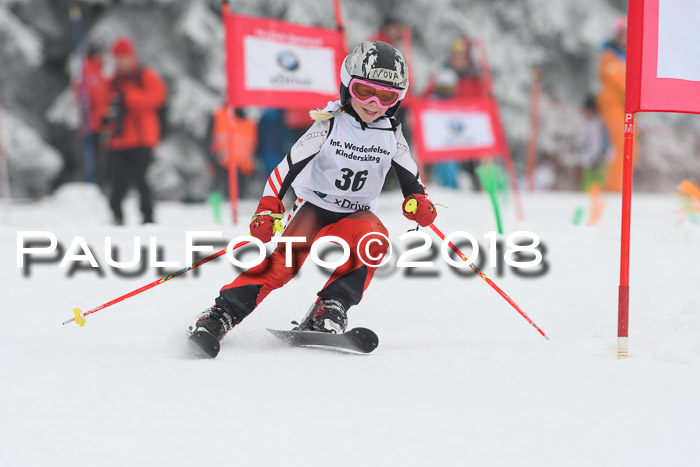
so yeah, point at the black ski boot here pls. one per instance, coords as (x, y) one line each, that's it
(326, 315)
(211, 326)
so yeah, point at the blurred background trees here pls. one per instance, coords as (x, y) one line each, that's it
(183, 41)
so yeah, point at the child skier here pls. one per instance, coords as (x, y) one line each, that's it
(337, 169)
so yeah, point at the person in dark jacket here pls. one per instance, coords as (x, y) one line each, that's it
(470, 80)
(390, 32)
(88, 87)
(133, 96)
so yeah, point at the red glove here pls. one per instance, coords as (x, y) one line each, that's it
(417, 207)
(267, 218)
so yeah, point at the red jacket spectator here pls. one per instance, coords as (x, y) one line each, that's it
(133, 97)
(466, 86)
(390, 32)
(470, 80)
(95, 84)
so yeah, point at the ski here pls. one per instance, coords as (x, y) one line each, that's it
(360, 340)
(204, 344)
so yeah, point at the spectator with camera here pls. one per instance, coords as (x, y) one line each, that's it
(134, 96)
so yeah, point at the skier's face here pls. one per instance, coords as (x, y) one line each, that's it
(368, 112)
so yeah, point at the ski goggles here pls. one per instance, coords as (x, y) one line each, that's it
(365, 91)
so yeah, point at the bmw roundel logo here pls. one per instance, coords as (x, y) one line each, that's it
(288, 60)
(456, 126)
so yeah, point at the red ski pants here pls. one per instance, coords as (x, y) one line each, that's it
(347, 282)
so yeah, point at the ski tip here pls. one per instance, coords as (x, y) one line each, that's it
(360, 340)
(367, 339)
(204, 344)
(364, 332)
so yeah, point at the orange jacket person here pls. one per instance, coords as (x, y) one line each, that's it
(234, 133)
(134, 96)
(611, 100)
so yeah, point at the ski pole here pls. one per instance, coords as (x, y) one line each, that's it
(412, 206)
(79, 317)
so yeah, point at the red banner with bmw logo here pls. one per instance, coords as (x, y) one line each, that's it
(663, 74)
(273, 63)
(457, 129)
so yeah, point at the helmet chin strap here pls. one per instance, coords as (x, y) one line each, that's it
(351, 111)
(347, 108)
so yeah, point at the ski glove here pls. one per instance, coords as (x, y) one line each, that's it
(417, 207)
(267, 219)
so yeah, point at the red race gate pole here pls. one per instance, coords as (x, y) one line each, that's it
(407, 46)
(531, 157)
(232, 163)
(624, 290)
(508, 156)
(340, 25)
(4, 178)
(232, 166)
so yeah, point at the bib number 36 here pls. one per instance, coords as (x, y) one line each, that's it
(351, 180)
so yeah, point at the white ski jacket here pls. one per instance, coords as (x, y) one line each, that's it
(340, 164)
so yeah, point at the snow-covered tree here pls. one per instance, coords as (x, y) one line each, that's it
(183, 40)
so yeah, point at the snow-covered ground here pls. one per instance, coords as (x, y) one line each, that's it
(459, 377)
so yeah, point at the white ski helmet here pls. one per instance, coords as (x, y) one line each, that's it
(375, 61)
